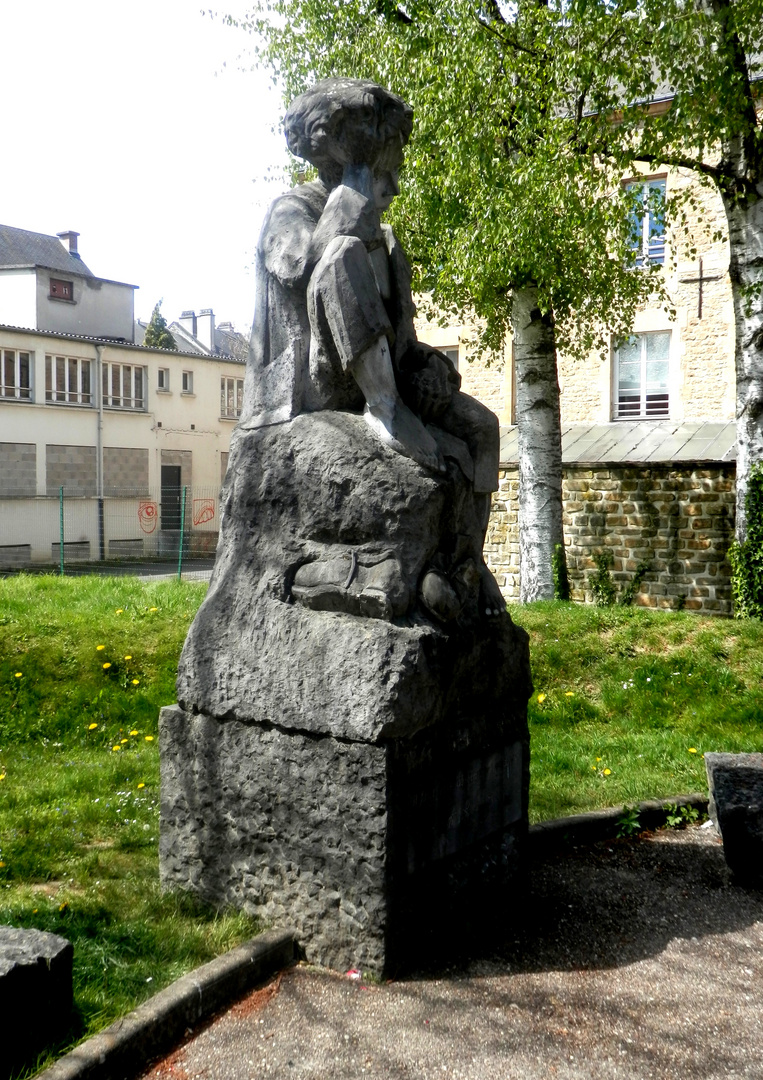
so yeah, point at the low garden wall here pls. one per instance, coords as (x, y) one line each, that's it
(679, 520)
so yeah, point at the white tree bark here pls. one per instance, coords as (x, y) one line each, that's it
(540, 446)
(745, 220)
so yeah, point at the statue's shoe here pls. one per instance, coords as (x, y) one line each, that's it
(354, 584)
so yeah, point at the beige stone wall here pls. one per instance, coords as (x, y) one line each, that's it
(680, 520)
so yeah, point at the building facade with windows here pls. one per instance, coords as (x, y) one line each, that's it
(106, 447)
(120, 432)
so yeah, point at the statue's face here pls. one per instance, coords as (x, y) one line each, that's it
(386, 169)
(385, 189)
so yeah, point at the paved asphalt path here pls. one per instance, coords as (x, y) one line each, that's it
(634, 959)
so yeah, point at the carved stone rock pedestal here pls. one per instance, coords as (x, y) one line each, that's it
(341, 760)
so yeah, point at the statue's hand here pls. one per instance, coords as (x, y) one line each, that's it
(348, 212)
(431, 387)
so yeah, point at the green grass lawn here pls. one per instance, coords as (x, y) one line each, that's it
(85, 665)
(625, 703)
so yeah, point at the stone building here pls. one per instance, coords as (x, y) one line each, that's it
(648, 426)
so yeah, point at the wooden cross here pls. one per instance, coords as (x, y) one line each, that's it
(700, 282)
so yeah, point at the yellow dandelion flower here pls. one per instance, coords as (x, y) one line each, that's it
(92, 727)
(692, 749)
(2, 863)
(541, 698)
(136, 682)
(153, 609)
(598, 759)
(34, 911)
(120, 611)
(123, 741)
(2, 776)
(133, 732)
(149, 738)
(607, 772)
(594, 768)
(106, 666)
(141, 785)
(64, 906)
(116, 747)
(19, 674)
(570, 693)
(128, 658)
(100, 648)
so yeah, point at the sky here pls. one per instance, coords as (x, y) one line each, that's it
(136, 125)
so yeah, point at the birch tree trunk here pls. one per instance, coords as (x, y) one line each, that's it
(745, 220)
(540, 446)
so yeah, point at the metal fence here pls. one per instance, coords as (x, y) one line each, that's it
(172, 530)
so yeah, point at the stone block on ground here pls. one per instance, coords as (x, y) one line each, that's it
(35, 992)
(736, 808)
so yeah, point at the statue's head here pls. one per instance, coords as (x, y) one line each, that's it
(343, 122)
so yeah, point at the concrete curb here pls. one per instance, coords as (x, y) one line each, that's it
(125, 1047)
(604, 824)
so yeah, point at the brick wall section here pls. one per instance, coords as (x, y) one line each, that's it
(18, 469)
(681, 519)
(74, 467)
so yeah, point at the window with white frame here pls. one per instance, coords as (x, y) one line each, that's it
(648, 220)
(163, 379)
(123, 386)
(16, 375)
(68, 380)
(231, 397)
(642, 374)
(187, 382)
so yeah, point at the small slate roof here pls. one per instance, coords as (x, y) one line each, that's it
(637, 442)
(22, 248)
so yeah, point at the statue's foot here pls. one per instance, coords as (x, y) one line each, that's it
(345, 583)
(439, 597)
(400, 429)
(492, 602)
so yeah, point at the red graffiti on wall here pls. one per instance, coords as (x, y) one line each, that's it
(147, 516)
(203, 511)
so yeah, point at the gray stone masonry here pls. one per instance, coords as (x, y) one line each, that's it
(18, 469)
(73, 467)
(736, 808)
(35, 992)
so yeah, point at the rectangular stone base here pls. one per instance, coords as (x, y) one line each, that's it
(363, 847)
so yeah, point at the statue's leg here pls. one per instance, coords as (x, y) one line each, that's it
(477, 425)
(350, 328)
(386, 413)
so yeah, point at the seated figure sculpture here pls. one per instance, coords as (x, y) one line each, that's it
(349, 752)
(334, 330)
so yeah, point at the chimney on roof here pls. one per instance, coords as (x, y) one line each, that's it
(206, 329)
(70, 238)
(188, 321)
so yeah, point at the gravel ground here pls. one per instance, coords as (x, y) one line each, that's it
(635, 959)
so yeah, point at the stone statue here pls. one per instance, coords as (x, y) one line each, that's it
(349, 752)
(334, 330)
